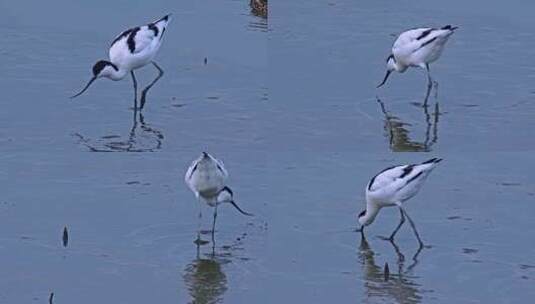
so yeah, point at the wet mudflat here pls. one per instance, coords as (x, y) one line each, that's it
(294, 114)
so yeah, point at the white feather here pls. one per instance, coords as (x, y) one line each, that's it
(418, 47)
(393, 186)
(146, 45)
(206, 177)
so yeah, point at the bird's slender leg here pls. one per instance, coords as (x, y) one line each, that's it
(213, 230)
(215, 217)
(429, 79)
(391, 238)
(145, 90)
(199, 220)
(401, 256)
(413, 228)
(429, 85)
(135, 89)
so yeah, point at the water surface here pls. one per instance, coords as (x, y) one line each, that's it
(294, 114)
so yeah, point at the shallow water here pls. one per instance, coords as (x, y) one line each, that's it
(299, 158)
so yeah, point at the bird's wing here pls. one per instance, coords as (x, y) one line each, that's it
(410, 37)
(401, 182)
(413, 40)
(388, 176)
(121, 37)
(412, 182)
(142, 39)
(148, 33)
(136, 39)
(221, 167)
(191, 169)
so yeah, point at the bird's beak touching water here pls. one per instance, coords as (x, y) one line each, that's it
(87, 86)
(386, 77)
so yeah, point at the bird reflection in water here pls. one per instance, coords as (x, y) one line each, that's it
(205, 280)
(398, 133)
(397, 287)
(141, 138)
(204, 276)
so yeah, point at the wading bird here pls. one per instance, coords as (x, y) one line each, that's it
(392, 187)
(417, 48)
(207, 177)
(131, 50)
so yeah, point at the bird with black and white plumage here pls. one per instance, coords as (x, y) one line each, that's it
(131, 50)
(392, 187)
(207, 177)
(417, 48)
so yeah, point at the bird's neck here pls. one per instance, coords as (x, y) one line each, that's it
(371, 212)
(400, 67)
(118, 74)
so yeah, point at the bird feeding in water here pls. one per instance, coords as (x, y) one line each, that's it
(417, 48)
(207, 177)
(131, 50)
(392, 187)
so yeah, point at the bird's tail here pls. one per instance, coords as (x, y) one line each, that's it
(165, 19)
(160, 25)
(430, 164)
(449, 27)
(432, 161)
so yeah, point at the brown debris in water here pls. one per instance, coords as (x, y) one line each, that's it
(259, 8)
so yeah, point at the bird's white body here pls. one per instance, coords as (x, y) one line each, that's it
(206, 177)
(131, 50)
(393, 186)
(419, 47)
(136, 47)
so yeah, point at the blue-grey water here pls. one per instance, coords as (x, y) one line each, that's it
(292, 110)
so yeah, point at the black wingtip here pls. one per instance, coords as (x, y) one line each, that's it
(449, 27)
(433, 160)
(164, 18)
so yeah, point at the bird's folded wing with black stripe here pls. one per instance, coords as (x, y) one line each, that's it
(413, 36)
(389, 176)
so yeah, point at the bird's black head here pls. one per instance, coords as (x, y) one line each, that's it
(100, 65)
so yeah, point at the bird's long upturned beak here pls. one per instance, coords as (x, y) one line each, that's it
(239, 209)
(386, 77)
(87, 86)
